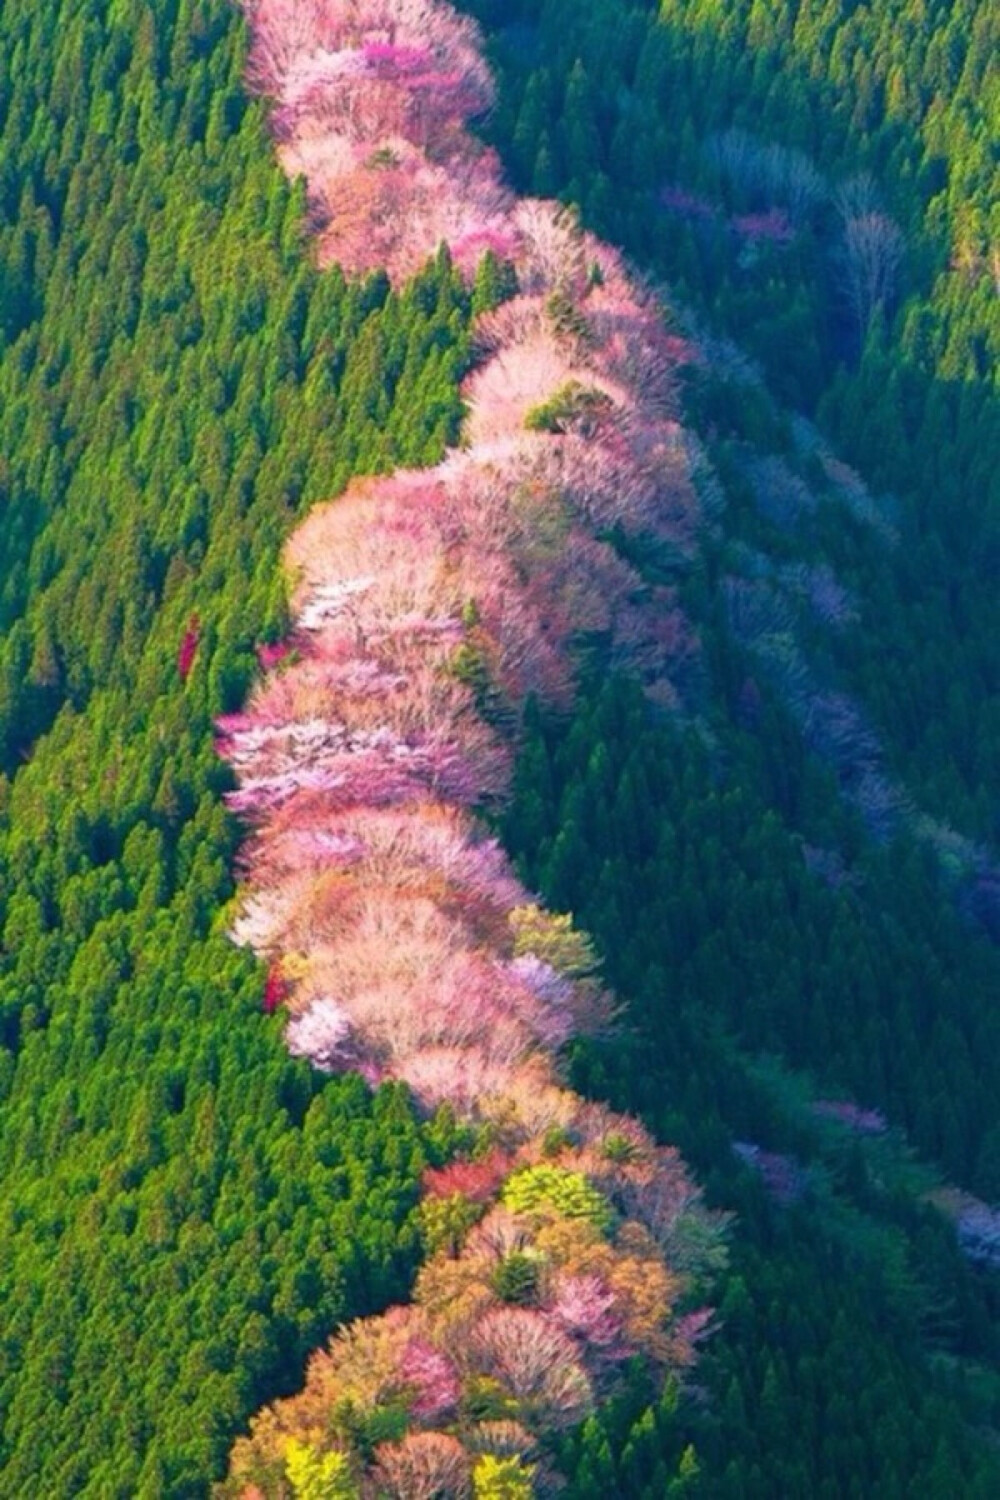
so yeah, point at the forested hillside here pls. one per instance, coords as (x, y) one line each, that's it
(186, 1211)
(850, 651)
(757, 897)
(746, 697)
(764, 146)
(821, 180)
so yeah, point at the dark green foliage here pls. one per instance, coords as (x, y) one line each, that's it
(569, 409)
(516, 1278)
(878, 985)
(608, 104)
(857, 1355)
(850, 1329)
(186, 1211)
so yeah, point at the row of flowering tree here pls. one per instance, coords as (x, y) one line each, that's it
(563, 1244)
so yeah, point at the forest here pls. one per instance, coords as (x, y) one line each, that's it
(389, 566)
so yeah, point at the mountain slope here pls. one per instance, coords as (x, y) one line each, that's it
(187, 1211)
(787, 477)
(177, 1192)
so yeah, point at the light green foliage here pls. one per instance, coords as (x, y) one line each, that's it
(547, 1189)
(553, 937)
(444, 1222)
(318, 1476)
(502, 1479)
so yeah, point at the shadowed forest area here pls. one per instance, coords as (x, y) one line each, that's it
(744, 939)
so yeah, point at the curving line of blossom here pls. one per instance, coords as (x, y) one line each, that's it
(563, 1243)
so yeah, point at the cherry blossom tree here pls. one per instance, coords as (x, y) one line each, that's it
(853, 1116)
(478, 1180)
(424, 1466)
(434, 1378)
(870, 253)
(584, 1308)
(873, 249)
(275, 990)
(537, 1362)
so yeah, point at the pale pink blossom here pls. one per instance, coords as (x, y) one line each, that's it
(424, 1466)
(537, 1361)
(434, 1378)
(584, 1308)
